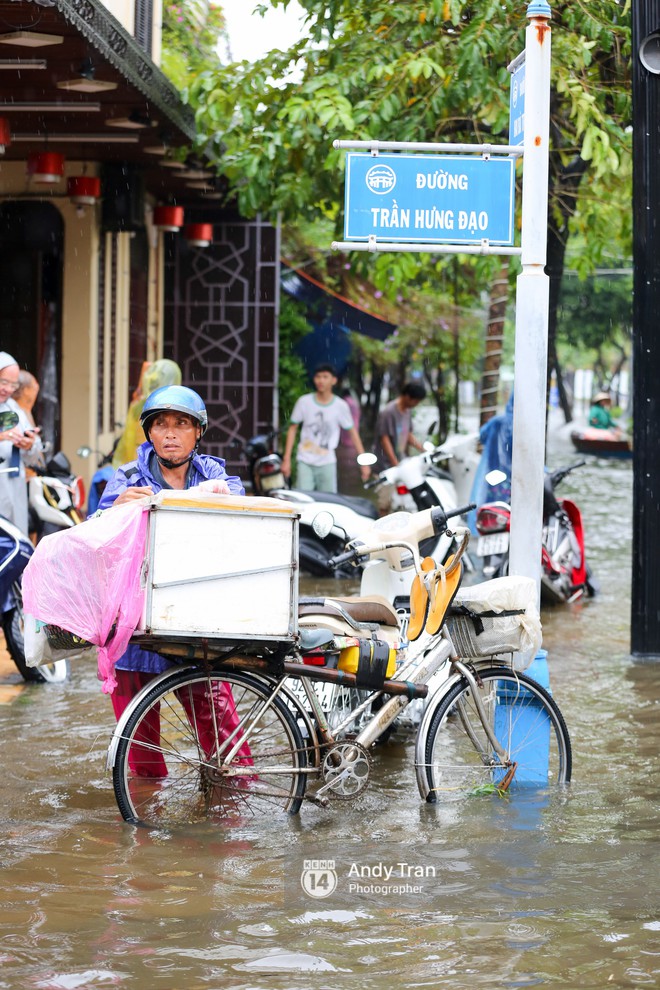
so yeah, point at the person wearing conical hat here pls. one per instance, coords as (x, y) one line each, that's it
(600, 416)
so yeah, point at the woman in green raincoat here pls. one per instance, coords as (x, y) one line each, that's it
(155, 375)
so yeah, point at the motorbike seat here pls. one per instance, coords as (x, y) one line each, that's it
(370, 611)
(362, 506)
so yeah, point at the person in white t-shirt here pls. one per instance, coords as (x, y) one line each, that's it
(321, 415)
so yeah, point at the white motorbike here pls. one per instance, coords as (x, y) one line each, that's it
(352, 516)
(56, 497)
(420, 483)
(388, 577)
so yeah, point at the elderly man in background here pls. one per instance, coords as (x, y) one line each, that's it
(19, 445)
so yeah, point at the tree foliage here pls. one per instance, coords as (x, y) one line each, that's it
(415, 71)
(596, 312)
(192, 32)
(293, 381)
(427, 70)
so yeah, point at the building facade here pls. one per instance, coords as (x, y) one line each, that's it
(99, 270)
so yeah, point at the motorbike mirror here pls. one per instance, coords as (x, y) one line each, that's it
(495, 477)
(8, 420)
(366, 459)
(322, 524)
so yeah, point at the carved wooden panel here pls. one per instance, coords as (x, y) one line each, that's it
(221, 327)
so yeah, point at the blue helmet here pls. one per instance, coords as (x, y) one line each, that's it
(174, 398)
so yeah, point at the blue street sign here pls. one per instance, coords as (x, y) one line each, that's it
(517, 103)
(429, 199)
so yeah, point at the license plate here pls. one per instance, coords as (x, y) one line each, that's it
(493, 544)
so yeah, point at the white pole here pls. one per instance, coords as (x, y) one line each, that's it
(532, 297)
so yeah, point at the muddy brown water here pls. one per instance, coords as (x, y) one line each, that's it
(541, 891)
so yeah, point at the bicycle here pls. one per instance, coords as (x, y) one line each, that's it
(228, 736)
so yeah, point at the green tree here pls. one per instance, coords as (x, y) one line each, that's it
(192, 33)
(292, 372)
(426, 71)
(595, 322)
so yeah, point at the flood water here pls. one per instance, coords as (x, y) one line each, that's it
(539, 891)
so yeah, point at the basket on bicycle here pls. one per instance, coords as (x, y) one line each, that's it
(497, 617)
(61, 639)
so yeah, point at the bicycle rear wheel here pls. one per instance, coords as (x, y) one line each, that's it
(209, 746)
(527, 723)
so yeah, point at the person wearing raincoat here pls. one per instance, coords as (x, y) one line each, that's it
(496, 438)
(155, 375)
(174, 419)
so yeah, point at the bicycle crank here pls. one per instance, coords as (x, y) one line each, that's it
(345, 770)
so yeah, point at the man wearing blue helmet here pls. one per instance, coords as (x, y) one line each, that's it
(174, 420)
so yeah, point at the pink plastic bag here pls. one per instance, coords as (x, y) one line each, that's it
(87, 580)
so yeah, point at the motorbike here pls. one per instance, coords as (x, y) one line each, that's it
(388, 577)
(15, 552)
(56, 497)
(353, 514)
(565, 573)
(420, 482)
(101, 476)
(264, 463)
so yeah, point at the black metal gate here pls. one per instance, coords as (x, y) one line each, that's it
(221, 306)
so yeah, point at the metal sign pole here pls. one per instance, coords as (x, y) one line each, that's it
(532, 299)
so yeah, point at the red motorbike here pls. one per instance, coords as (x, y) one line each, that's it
(565, 573)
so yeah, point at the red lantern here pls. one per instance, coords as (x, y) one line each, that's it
(168, 218)
(45, 166)
(199, 234)
(83, 190)
(5, 135)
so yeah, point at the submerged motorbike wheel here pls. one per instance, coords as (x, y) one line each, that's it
(12, 626)
(591, 583)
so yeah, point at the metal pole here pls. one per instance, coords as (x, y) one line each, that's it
(532, 295)
(444, 147)
(645, 607)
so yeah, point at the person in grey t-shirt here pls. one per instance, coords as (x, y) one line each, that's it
(394, 435)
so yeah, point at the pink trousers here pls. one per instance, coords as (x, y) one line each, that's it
(213, 719)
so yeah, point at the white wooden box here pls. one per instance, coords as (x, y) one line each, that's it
(221, 567)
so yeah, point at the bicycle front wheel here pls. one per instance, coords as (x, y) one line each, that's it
(459, 757)
(209, 747)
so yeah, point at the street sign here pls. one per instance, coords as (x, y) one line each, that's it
(517, 101)
(429, 199)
